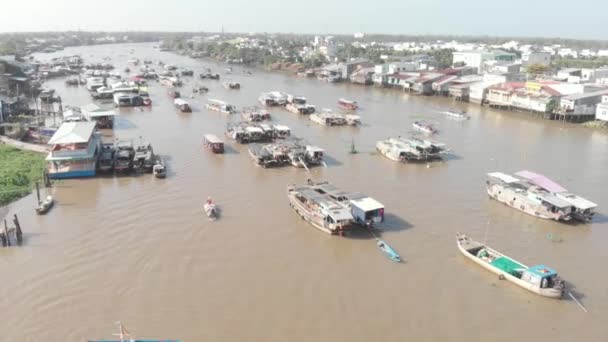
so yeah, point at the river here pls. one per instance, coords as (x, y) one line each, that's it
(139, 249)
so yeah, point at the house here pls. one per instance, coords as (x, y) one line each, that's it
(501, 95)
(424, 84)
(402, 80)
(477, 58)
(347, 68)
(594, 75)
(362, 76)
(602, 109)
(580, 107)
(502, 67)
(570, 75)
(460, 88)
(536, 57)
(74, 150)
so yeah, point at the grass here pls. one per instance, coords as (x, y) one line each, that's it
(19, 170)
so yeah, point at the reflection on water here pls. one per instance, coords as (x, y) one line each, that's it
(140, 250)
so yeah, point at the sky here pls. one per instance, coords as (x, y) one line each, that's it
(583, 19)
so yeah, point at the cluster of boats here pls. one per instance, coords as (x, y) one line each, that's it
(124, 157)
(328, 118)
(290, 151)
(411, 149)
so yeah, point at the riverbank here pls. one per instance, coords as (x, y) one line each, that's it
(19, 170)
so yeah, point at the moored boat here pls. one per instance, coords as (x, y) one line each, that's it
(319, 210)
(347, 104)
(411, 150)
(213, 143)
(457, 115)
(210, 209)
(220, 106)
(123, 157)
(539, 279)
(106, 157)
(159, 170)
(44, 206)
(182, 105)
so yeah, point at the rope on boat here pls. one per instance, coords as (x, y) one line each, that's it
(577, 302)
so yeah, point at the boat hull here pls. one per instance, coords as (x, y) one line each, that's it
(550, 292)
(521, 203)
(313, 219)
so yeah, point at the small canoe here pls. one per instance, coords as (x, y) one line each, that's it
(457, 115)
(210, 209)
(45, 205)
(388, 251)
(539, 279)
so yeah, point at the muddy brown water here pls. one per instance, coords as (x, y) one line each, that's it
(139, 249)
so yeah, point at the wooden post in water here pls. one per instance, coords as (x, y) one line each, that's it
(38, 192)
(47, 180)
(3, 236)
(8, 240)
(18, 232)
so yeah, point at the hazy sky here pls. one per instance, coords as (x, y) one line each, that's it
(546, 18)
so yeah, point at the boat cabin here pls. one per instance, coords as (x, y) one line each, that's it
(213, 143)
(182, 105)
(281, 131)
(540, 276)
(127, 100)
(366, 210)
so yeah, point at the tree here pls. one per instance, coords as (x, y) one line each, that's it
(537, 69)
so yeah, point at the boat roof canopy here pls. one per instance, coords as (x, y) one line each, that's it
(367, 204)
(542, 271)
(554, 200)
(212, 139)
(503, 177)
(180, 102)
(577, 201)
(541, 181)
(73, 133)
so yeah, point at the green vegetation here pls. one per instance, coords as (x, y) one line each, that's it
(537, 69)
(580, 63)
(19, 170)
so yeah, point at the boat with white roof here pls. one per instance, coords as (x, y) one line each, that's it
(411, 150)
(220, 106)
(527, 197)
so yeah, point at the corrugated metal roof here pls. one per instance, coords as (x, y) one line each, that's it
(575, 97)
(73, 133)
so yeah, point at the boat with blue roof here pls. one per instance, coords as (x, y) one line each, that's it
(539, 279)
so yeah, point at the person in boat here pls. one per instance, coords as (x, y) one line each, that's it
(381, 245)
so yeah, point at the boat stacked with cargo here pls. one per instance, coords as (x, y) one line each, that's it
(232, 85)
(255, 114)
(285, 152)
(332, 210)
(123, 157)
(411, 150)
(539, 279)
(144, 158)
(182, 105)
(538, 196)
(328, 118)
(244, 133)
(299, 105)
(220, 106)
(273, 98)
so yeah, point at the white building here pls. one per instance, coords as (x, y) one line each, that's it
(593, 75)
(602, 109)
(532, 57)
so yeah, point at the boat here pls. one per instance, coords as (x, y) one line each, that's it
(210, 209)
(411, 150)
(583, 209)
(328, 118)
(125, 336)
(244, 133)
(106, 157)
(232, 85)
(44, 206)
(527, 197)
(213, 143)
(123, 157)
(144, 157)
(457, 115)
(539, 279)
(300, 108)
(220, 106)
(281, 131)
(187, 73)
(273, 98)
(321, 211)
(255, 114)
(424, 127)
(159, 170)
(388, 251)
(182, 105)
(174, 94)
(347, 104)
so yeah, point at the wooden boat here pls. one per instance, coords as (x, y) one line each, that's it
(388, 251)
(424, 127)
(320, 210)
(182, 106)
(527, 197)
(213, 143)
(210, 209)
(347, 104)
(457, 115)
(123, 157)
(125, 336)
(159, 170)
(411, 150)
(45, 206)
(539, 279)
